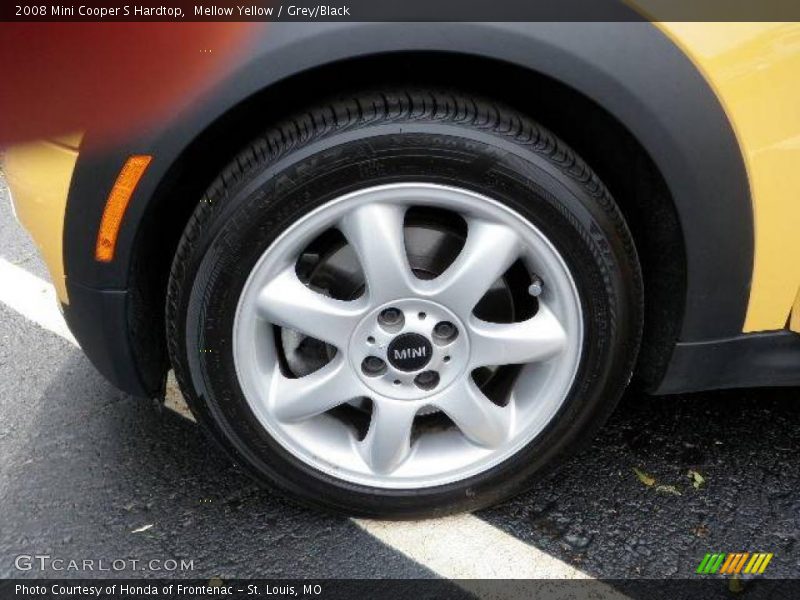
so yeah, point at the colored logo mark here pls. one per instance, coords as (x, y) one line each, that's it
(734, 564)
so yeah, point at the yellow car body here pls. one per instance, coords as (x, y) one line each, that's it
(39, 174)
(753, 68)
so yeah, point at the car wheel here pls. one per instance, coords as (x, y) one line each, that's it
(404, 303)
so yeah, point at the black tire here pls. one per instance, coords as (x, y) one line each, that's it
(382, 137)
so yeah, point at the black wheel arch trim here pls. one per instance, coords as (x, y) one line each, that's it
(767, 359)
(632, 70)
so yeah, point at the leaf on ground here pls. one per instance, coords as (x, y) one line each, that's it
(646, 479)
(668, 489)
(697, 479)
(735, 585)
(142, 528)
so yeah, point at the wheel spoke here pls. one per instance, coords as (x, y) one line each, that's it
(388, 441)
(478, 418)
(316, 393)
(376, 233)
(539, 338)
(489, 251)
(288, 302)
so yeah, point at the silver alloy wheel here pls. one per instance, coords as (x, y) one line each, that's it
(296, 411)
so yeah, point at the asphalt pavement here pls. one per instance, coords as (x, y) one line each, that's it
(88, 472)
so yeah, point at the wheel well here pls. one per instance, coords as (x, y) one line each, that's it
(606, 145)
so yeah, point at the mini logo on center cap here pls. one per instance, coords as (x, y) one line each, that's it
(409, 352)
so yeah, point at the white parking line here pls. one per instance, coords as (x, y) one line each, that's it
(465, 547)
(33, 298)
(462, 547)
(173, 399)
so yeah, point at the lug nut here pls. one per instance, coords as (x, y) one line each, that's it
(427, 380)
(536, 287)
(391, 319)
(445, 332)
(373, 366)
(391, 316)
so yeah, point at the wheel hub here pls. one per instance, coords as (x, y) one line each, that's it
(409, 349)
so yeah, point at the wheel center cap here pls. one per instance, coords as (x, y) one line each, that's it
(408, 349)
(409, 352)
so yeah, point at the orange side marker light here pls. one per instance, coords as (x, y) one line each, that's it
(117, 204)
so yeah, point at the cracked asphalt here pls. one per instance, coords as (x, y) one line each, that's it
(83, 466)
